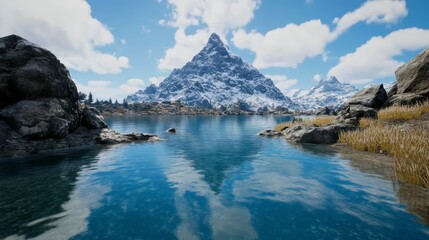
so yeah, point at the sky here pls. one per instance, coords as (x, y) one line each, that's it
(115, 48)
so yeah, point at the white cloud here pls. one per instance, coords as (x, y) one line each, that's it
(123, 41)
(317, 77)
(373, 11)
(282, 82)
(156, 80)
(375, 58)
(103, 90)
(185, 48)
(325, 56)
(287, 46)
(220, 16)
(292, 44)
(66, 28)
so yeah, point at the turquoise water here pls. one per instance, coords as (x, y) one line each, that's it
(213, 179)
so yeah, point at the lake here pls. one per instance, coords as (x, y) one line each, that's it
(213, 179)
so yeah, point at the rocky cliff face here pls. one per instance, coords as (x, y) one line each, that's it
(216, 78)
(39, 106)
(327, 93)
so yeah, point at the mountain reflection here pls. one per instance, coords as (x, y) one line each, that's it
(212, 152)
(34, 193)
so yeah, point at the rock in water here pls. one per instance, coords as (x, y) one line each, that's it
(34, 75)
(413, 77)
(171, 130)
(372, 97)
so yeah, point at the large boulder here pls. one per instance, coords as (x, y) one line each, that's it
(33, 76)
(318, 135)
(413, 77)
(38, 119)
(373, 97)
(405, 99)
(92, 119)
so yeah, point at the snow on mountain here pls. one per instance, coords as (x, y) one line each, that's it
(327, 93)
(217, 78)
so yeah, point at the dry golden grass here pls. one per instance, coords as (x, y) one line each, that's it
(408, 146)
(318, 121)
(403, 112)
(367, 122)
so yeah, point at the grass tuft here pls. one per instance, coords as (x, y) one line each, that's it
(317, 121)
(404, 112)
(409, 147)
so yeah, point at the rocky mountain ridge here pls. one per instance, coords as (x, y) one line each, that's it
(326, 93)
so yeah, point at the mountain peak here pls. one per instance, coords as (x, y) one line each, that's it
(217, 78)
(333, 79)
(214, 39)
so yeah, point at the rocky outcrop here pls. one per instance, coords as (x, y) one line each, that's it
(92, 119)
(373, 97)
(318, 135)
(413, 77)
(39, 107)
(412, 82)
(171, 130)
(405, 99)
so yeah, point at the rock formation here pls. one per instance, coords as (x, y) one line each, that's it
(412, 82)
(39, 107)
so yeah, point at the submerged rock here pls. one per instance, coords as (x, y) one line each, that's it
(171, 130)
(270, 133)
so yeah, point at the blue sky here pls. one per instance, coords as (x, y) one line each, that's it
(113, 48)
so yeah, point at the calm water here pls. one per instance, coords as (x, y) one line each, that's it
(214, 179)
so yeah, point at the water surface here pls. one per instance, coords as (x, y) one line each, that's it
(213, 179)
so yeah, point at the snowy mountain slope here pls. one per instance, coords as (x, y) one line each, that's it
(217, 78)
(327, 93)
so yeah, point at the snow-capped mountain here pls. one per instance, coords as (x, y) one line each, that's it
(327, 93)
(217, 78)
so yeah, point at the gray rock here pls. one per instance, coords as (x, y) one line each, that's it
(39, 119)
(373, 97)
(318, 135)
(270, 133)
(393, 91)
(325, 111)
(413, 77)
(171, 130)
(29, 72)
(92, 119)
(359, 111)
(405, 99)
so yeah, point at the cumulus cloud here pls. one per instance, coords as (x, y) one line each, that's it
(290, 45)
(282, 82)
(375, 58)
(66, 28)
(374, 11)
(287, 46)
(317, 77)
(103, 90)
(220, 16)
(156, 80)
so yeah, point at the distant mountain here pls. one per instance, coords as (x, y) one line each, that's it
(327, 93)
(217, 78)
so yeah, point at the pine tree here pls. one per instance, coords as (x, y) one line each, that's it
(125, 103)
(90, 99)
(110, 101)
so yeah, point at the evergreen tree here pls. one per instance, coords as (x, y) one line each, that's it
(90, 99)
(110, 101)
(125, 103)
(81, 96)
